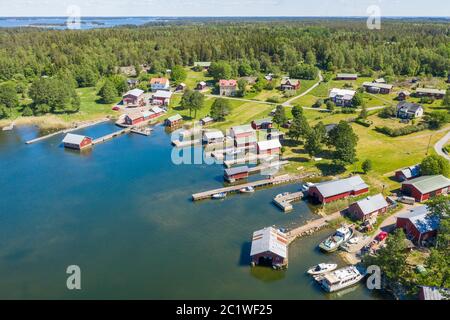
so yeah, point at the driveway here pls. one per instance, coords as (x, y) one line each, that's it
(439, 146)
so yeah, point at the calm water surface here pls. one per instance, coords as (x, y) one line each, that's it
(122, 212)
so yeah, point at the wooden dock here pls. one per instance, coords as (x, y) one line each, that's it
(248, 158)
(311, 226)
(267, 166)
(111, 135)
(284, 201)
(186, 143)
(81, 126)
(256, 184)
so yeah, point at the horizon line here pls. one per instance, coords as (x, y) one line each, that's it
(206, 16)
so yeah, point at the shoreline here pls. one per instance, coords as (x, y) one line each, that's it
(52, 122)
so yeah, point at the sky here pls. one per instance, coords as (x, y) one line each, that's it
(414, 8)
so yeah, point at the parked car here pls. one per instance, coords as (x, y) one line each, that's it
(381, 236)
(116, 108)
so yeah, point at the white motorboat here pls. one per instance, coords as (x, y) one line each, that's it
(340, 279)
(247, 190)
(219, 195)
(322, 268)
(341, 236)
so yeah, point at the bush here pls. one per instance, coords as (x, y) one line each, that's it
(364, 122)
(27, 112)
(347, 110)
(397, 132)
(274, 99)
(388, 112)
(289, 93)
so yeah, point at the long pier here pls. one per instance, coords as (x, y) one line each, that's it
(311, 226)
(256, 184)
(284, 202)
(81, 126)
(112, 135)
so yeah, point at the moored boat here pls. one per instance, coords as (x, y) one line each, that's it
(247, 190)
(332, 243)
(322, 268)
(219, 195)
(340, 279)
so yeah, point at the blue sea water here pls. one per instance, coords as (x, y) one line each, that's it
(122, 213)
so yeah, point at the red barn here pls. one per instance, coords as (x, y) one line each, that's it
(237, 173)
(368, 208)
(290, 84)
(269, 147)
(418, 224)
(77, 142)
(330, 191)
(269, 248)
(426, 187)
(262, 124)
(133, 97)
(134, 118)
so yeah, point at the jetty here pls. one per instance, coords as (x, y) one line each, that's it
(251, 157)
(110, 136)
(284, 201)
(77, 127)
(312, 226)
(255, 184)
(9, 127)
(186, 143)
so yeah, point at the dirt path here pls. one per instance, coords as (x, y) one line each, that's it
(439, 146)
(288, 103)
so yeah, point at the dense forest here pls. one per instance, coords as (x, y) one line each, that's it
(399, 48)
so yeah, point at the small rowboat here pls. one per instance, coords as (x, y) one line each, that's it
(322, 268)
(219, 195)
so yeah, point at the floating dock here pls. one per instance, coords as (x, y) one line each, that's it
(81, 126)
(256, 184)
(284, 201)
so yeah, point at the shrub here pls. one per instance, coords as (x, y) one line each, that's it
(397, 132)
(274, 99)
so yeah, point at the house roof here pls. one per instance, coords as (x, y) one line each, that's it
(202, 83)
(292, 82)
(73, 138)
(335, 187)
(246, 128)
(147, 114)
(380, 80)
(405, 92)
(135, 93)
(202, 64)
(157, 109)
(175, 118)
(421, 219)
(248, 139)
(406, 106)
(134, 115)
(162, 94)
(435, 293)
(378, 85)
(427, 184)
(262, 121)
(372, 204)
(430, 91)
(159, 80)
(411, 172)
(227, 83)
(347, 75)
(345, 93)
(269, 144)
(216, 134)
(207, 119)
(236, 170)
(269, 239)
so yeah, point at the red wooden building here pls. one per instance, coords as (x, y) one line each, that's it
(174, 121)
(133, 97)
(134, 118)
(330, 191)
(418, 224)
(368, 208)
(269, 248)
(426, 187)
(290, 84)
(77, 142)
(269, 147)
(244, 136)
(237, 173)
(266, 123)
(408, 173)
